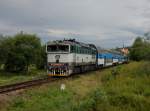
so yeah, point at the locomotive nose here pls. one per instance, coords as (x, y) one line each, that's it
(58, 69)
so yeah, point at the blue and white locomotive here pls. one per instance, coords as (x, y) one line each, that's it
(66, 57)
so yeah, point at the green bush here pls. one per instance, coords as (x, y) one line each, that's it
(15, 63)
(140, 49)
(112, 75)
(125, 101)
(115, 71)
(94, 102)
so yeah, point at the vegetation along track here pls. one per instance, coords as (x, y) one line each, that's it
(26, 84)
(23, 85)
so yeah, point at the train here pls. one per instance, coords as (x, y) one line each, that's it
(67, 57)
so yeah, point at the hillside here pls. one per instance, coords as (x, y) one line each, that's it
(121, 88)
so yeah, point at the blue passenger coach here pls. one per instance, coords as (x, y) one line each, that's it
(106, 59)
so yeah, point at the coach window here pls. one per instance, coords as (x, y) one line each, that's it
(78, 50)
(81, 50)
(73, 49)
(84, 50)
(90, 52)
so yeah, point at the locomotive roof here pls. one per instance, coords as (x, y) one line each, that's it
(71, 42)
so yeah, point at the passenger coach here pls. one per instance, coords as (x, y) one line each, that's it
(110, 58)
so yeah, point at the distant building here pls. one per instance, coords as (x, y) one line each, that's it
(125, 51)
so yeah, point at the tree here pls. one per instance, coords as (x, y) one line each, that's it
(6, 44)
(147, 36)
(1, 57)
(140, 49)
(19, 51)
(15, 63)
(41, 60)
(28, 45)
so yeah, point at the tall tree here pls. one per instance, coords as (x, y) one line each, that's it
(41, 59)
(20, 51)
(140, 49)
(28, 45)
(6, 44)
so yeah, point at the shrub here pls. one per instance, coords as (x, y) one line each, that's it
(129, 101)
(115, 71)
(94, 102)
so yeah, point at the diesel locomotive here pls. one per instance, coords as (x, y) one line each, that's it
(69, 56)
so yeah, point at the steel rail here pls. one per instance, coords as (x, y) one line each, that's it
(23, 85)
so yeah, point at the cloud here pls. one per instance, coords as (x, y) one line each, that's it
(107, 23)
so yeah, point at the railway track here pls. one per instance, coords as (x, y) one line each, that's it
(26, 84)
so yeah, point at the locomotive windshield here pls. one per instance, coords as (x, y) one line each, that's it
(57, 48)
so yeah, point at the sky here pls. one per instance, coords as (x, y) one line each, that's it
(106, 23)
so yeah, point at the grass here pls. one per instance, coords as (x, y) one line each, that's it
(9, 78)
(123, 88)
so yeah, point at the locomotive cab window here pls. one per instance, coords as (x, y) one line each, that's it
(64, 48)
(58, 48)
(51, 48)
